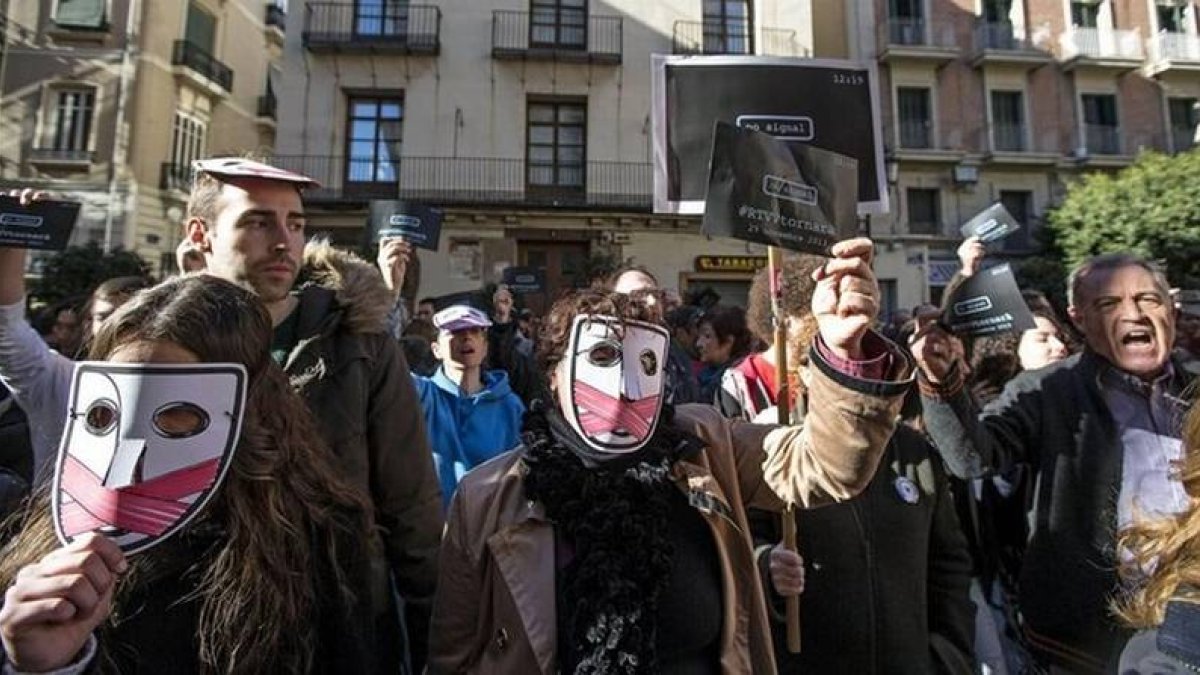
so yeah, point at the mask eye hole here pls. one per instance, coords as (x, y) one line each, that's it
(604, 354)
(180, 420)
(101, 417)
(649, 362)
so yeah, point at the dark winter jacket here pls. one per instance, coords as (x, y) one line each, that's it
(353, 376)
(887, 575)
(1056, 420)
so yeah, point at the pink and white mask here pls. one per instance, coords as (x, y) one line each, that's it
(611, 382)
(145, 448)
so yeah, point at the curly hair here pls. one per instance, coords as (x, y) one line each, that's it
(555, 332)
(285, 513)
(1169, 546)
(795, 301)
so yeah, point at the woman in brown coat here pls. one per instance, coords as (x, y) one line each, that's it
(614, 539)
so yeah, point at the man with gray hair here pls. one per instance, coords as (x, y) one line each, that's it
(1099, 432)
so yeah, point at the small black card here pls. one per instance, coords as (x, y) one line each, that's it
(991, 224)
(524, 280)
(987, 303)
(416, 223)
(43, 224)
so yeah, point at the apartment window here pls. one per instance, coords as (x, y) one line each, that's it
(189, 140)
(906, 22)
(1172, 16)
(381, 17)
(88, 14)
(1185, 116)
(201, 28)
(1100, 123)
(924, 211)
(72, 120)
(1085, 13)
(727, 27)
(1019, 203)
(1008, 121)
(906, 9)
(374, 139)
(555, 134)
(916, 119)
(558, 23)
(997, 11)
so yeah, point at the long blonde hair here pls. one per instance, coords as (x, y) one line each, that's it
(1170, 547)
(284, 512)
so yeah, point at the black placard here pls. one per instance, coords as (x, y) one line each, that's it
(987, 303)
(828, 104)
(781, 194)
(418, 224)
(43, 224)
(524, 280)
(991, 224)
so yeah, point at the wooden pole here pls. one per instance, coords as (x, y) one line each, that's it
(783, 403)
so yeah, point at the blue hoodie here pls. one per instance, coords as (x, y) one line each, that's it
(466, 431)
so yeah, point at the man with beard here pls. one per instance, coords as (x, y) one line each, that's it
(615, 539)
(1100, 431)
(331, 338)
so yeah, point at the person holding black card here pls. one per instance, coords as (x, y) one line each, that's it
(1099, 424)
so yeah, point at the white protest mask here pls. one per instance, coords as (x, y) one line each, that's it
(145, 448)
(610, 382)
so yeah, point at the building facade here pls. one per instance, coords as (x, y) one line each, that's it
(1009, 101)
(526, 121)
(107, 102)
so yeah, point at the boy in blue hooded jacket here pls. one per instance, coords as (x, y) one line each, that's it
(471, 415)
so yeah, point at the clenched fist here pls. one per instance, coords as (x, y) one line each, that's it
(846, 299)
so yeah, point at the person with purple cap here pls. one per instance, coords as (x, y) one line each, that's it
(471, 414)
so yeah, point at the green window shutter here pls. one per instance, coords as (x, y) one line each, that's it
(80, 13)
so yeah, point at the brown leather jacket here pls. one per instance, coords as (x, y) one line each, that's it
(494, 611)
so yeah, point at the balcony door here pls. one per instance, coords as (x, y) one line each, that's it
(375, 131)
(562, 262)
(558, 24)
(381, 18)
(556, 149)
(727, 27)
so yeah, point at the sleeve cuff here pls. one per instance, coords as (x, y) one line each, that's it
(894, 380)
(874, 367)
(76, 667)
(944, 390)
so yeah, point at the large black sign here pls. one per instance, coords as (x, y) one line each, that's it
(771, 192)
(417, 223)
(832, 105)
(987, 303)
(42, 224)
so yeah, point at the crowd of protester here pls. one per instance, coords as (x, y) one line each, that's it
(462, 484)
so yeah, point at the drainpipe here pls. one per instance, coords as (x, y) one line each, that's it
(120, 135)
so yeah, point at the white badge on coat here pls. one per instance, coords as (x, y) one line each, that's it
(145, 448)
(907, 489)
(610, 381)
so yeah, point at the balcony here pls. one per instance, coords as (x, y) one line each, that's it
(266, 105)
(201, 67)
(1016, 144)
(1005, 44)
(911, 39)
(571, 40)
(710, 37)
(1100, 48)
(60, 158)
(177, 177)
(339, 27)
(1179, 52)
(472, 181)
(918, 143)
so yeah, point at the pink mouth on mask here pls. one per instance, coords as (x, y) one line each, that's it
(601, 413)
(148, 508)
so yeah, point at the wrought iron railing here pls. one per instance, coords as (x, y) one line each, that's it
(348, 26)
(191, 56)
(472, 180)
(1008, 137)
(1100, 43)
(1102, 139)
(174, 176)
(52, 155)
(564, 36)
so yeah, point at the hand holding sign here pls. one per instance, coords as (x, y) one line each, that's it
(394, 253)
(846, 299)
(931, 347)
(31, 221)
(970, 254)
(55, 604)
(988, 303)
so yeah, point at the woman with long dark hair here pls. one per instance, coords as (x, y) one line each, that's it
(270, 574)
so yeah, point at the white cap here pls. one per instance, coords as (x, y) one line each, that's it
(460, 317)
(248, 168)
